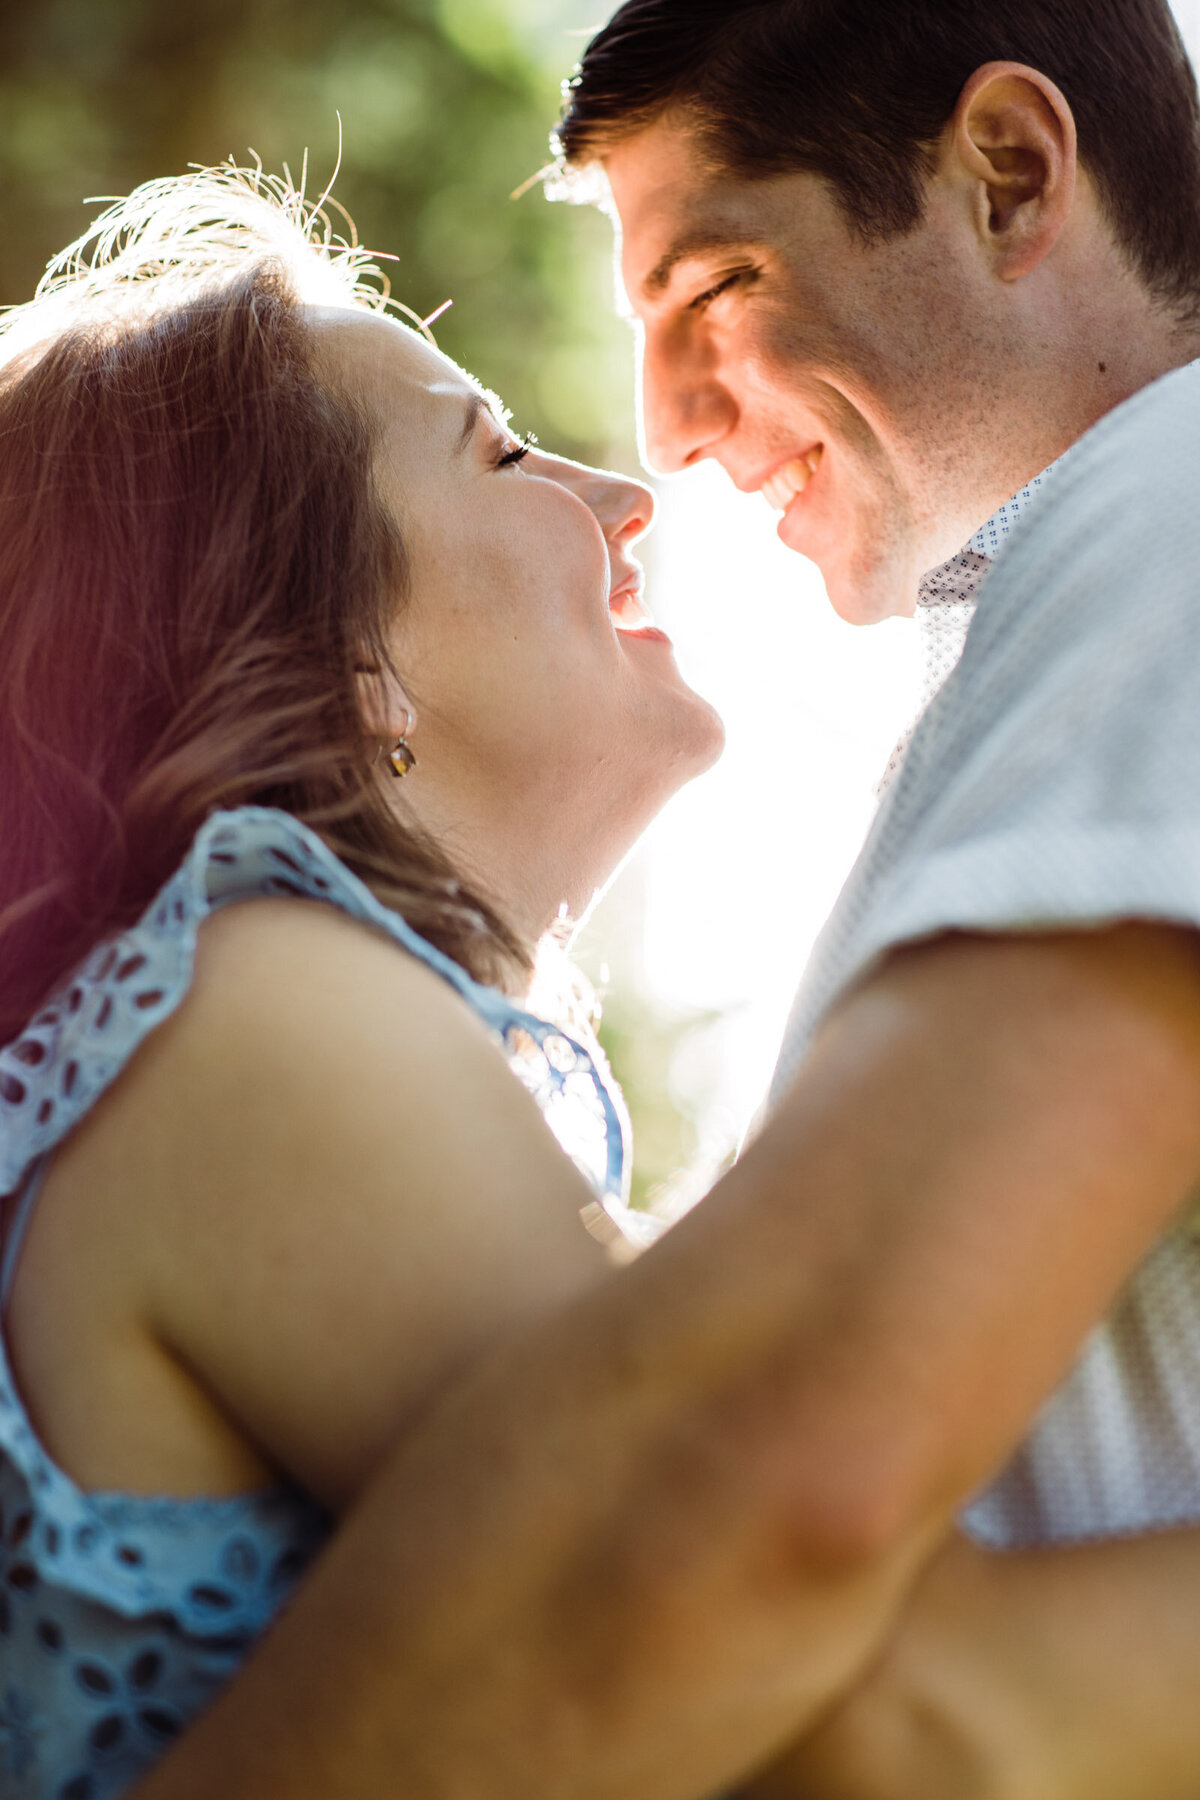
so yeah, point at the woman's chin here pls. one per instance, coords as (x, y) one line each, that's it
(688, 739)
(713, 747)
(690, 731)
(697, 734)
(597, 809)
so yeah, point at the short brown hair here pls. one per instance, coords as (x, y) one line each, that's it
(193, 560)
(859, 91)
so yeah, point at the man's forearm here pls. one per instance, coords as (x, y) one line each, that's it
(635, 1552)
(535, 1599)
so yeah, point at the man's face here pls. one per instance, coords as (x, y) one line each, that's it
(853, 384)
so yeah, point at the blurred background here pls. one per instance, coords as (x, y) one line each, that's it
(445, 108)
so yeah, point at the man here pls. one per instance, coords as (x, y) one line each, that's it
(890, 264)
(891, 354)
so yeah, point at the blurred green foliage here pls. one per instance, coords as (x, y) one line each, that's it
(665, 1054)
(673, 1163)
(445, 106)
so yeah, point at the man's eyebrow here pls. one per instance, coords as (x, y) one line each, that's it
(700, 242)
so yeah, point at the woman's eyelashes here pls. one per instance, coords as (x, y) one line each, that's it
(518, 451)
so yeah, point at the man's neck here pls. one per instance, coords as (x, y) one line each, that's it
(1065, 373)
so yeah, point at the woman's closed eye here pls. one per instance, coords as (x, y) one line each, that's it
(518, 451)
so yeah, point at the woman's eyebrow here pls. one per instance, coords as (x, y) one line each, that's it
(475, 405)
(483, 400)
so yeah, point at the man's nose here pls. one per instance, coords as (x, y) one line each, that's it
(685, 408)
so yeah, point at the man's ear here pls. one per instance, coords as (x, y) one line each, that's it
(1012, 137)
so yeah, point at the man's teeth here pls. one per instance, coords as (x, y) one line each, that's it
(782, 487)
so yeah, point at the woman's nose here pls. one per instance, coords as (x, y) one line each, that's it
(623, 508)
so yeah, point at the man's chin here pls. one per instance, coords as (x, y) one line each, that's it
(868, 569)
(867, 596)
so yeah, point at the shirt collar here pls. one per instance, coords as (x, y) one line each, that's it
(947, 595)
(989, 539)
(958, 581)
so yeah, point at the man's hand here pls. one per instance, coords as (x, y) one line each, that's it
(1066, 1674)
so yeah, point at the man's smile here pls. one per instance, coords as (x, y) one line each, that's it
(791, 478)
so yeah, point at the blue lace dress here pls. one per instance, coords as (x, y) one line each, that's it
(122, 1616)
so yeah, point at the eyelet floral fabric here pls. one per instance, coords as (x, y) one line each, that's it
(122, 1616)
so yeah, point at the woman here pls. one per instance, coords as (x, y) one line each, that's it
(265, 551)
(269, 1182)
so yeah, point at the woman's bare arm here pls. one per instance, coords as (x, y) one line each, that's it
(1058, 1674)
(312, 1196)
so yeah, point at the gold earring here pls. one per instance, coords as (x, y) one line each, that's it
(400, 756)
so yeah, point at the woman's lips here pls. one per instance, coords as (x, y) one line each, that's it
(647, 634)
(632, 617)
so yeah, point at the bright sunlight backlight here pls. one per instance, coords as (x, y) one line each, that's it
(743, 867)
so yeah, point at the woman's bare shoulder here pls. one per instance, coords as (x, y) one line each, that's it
(317, 1185)
(265, 962)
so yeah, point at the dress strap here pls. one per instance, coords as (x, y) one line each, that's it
(25, 1200)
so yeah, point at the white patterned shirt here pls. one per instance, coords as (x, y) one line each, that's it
(947, 596)
(1053, 781)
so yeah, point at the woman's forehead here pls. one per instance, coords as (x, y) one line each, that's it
(386, 365)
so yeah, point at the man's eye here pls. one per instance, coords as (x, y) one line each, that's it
(720, 287)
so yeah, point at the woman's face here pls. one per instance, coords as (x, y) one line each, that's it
(552, 723)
